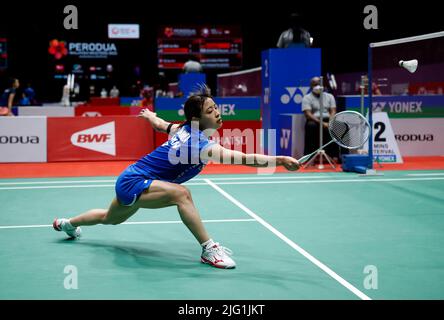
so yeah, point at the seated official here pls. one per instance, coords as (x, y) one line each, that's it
(311, 107)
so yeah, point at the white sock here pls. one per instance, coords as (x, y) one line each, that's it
(207, 243)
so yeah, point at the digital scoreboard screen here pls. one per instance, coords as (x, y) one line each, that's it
(217, 47)
(3, 53)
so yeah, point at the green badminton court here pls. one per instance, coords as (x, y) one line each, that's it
(294, 236)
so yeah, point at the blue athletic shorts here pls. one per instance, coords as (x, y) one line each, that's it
(130, 185)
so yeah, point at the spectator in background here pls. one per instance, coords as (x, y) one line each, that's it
(29, 93)
(7, 98)
(24, 101)
(161, 88)
(114, 93)
(375, 89)
(192, 65)
(147, 98)
(295, 36)
(311, 104)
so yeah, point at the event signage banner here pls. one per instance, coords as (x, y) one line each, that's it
(98, 138)
(22, 139)
(231, 108)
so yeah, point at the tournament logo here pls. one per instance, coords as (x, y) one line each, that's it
(294, 94)
(100, 139)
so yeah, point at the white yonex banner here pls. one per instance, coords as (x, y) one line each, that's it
(46, 111)
(23, 139)
(419, 136)
(385, 148)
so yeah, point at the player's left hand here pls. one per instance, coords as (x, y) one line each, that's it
(146, 113)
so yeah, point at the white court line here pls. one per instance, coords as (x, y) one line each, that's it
(113, 181)
(425, 174)
(331, 181)
(55, 182)
(360, 180)
(60, 187)
(264, 177)
(319, 264)
(135, 222)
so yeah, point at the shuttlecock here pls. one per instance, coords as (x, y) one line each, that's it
(410, 65)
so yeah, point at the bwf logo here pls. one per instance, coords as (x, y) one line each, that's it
(294, 94)
(101, 138)
(285, 138)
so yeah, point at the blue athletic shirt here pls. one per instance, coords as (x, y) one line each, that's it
(178, 159)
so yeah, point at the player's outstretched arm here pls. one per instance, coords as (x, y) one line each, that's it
(219, 154)
(157, 123)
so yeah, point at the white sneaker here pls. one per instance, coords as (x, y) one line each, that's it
(218, 256)
(61, 225)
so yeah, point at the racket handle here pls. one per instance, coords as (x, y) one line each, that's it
(305, 158)
(308, 156)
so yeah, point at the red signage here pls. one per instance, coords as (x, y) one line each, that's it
(98, 111)
(98, 138)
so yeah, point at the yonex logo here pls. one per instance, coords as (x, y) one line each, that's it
(227, 109)
(101, 138)
(294, 93)
(224, 109)
(378, 106)
(405, 106)
(285, 138)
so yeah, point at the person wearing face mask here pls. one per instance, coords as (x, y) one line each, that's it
(311, 105)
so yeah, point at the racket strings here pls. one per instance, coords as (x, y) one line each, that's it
(350, 130)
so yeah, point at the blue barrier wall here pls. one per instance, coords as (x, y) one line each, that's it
(286, 75)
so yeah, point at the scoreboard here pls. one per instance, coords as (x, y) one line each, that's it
(214, 47)
(3, 53)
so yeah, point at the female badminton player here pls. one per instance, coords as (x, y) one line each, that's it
(155, 180)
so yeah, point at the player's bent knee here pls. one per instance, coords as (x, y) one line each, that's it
(182, 194)
(106, 219)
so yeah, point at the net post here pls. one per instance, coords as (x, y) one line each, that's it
(370, 104)
(321, 119)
